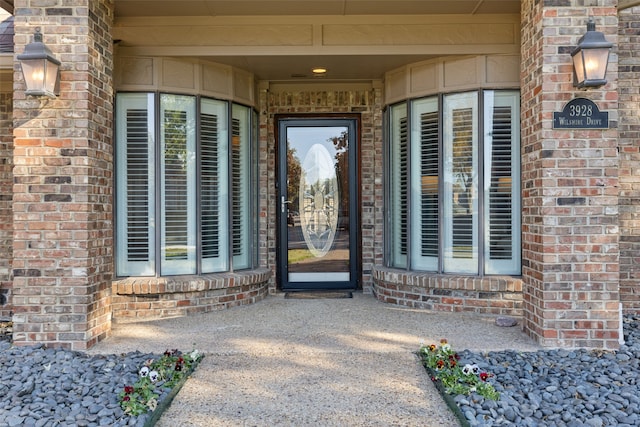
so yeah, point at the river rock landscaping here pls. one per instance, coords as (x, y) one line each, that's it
(55, 387)
(562, 388)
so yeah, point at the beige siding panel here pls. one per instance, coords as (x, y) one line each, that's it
(178, 74)
(424, 78)
(426, 34)
(220, 35)
(243, 86)
(185, 76)
(503, 69)
(216, 80)
(396, 85)
(452, 74)
(135, 72)
(460, 73)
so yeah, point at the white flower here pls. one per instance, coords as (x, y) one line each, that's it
(475, 369)
(445, 347)
(467, 369)
(144, 371)
(154, 376)
(152, 404)
(195, 355)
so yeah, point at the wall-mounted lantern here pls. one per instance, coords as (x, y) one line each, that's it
(41, 70)
(590, 58)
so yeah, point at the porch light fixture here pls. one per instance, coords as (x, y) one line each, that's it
(41, 70)
(590, 58)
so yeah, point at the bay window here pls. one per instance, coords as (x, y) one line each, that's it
(453, 189)
(184, 199)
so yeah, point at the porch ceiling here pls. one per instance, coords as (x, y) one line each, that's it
(194, 28)
(311, 7)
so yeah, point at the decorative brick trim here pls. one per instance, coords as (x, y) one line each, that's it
(137, 298)
(443, 292)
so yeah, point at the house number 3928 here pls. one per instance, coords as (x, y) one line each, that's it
(580, 110)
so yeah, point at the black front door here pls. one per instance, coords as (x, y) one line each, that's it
(317, 204)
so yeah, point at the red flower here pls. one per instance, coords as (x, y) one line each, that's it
(440, 364)
(484, 376)
(443, 341)
(128, 389)
(178, 367)
(126, 399)
(452, 363)
(432, 348)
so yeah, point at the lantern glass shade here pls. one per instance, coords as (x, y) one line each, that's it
(40, 69)
(590, 59)
(41, 77)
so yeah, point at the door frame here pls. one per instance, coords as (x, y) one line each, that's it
(355, 241)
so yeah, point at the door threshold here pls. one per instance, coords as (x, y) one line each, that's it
(318, 295)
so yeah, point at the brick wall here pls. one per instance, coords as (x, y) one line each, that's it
(367, 103)
(570, 180)
(629, 129)
(145, 298)
(63, 187)
(449, 292)
(6, 197)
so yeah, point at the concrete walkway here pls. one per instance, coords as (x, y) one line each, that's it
(303, 362)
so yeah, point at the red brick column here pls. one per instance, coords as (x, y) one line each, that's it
(629, 128)
(6, 190)
(570, 184)
(63, 234)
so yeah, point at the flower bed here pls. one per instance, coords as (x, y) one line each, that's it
(158, 383)
(452, 378)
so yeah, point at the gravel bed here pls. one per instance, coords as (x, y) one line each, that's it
(571, 388)
(54, 387)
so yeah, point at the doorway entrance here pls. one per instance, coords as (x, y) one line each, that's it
(317, 192)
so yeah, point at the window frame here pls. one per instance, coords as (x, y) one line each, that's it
(155, 266)
(483, 119)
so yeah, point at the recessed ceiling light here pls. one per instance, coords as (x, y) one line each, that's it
(319, 70)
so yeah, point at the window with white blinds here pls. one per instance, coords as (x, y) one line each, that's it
(399, 186)
(425, 124)
(459, 210)
(175, 200)
(502, 182)
(177, 185)
(240, 184)
(135, 189)
(460, 176)
(214, 170)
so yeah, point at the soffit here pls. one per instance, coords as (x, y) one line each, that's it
(129, 8)
(167, 28)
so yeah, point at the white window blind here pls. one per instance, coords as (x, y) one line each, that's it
(240, 186)
(502, 183)
(399, 186)
(461, 184)
(425, 139)
(213, 186)
(134, 185)
(177, 150)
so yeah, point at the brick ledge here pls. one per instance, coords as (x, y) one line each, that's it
(443, 292)
(188, 283)
(146, 298)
